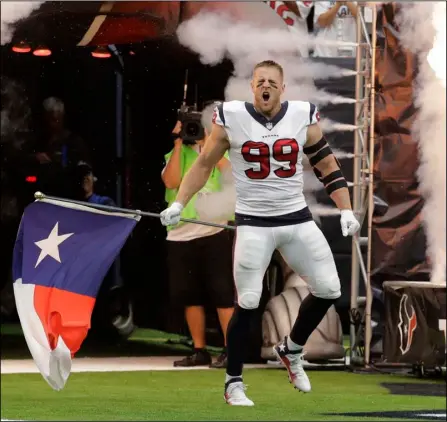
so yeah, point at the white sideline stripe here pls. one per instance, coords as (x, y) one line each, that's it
(129, 364)
(156, 363)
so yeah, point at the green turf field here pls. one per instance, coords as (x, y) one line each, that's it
(198, 395)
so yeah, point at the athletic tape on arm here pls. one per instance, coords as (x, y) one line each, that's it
(331, 181)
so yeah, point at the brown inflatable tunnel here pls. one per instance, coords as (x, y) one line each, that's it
(325, 343)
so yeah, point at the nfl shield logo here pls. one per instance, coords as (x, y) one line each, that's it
(269, 126)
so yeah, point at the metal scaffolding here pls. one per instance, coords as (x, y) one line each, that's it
(363, 201)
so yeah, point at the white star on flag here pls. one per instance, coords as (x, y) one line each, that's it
(50, 245)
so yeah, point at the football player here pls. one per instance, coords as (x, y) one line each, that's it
(266, 141)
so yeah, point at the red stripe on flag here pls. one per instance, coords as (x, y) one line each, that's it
(63, 314)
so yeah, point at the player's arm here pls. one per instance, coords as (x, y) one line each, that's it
(326, 167)
(197, 176)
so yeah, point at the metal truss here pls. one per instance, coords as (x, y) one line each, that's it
(363, 202)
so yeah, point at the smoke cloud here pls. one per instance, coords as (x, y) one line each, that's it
(13, 11)
(240, 38)
(15, 112)
(420, 23)
(215, 36)
(218, 206)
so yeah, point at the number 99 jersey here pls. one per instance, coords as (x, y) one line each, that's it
(266, 155)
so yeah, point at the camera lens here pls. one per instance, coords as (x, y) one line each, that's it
(192, 129)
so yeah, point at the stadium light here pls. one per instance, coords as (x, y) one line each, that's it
(101, 53)
(42, 51)
(31, 179)
(21, 47)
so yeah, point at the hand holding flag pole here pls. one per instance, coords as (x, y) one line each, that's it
(40, 196)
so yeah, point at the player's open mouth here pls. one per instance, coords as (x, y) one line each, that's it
(265, 96)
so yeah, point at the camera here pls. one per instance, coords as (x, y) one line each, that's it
(192, 129)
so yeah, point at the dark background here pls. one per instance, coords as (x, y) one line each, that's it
(153, 84)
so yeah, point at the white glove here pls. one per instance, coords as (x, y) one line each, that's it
(171, 216)
(348, 222)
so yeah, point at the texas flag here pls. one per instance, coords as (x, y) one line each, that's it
(61, 256)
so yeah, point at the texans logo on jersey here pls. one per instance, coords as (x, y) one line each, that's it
(214, 116)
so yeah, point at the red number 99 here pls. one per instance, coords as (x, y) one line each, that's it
(283, 150)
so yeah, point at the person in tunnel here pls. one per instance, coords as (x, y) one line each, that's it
(199, 257)
(58, 144)
(58, 151)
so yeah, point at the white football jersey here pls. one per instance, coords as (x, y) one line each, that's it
(266, 155)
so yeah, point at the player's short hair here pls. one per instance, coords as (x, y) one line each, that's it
(270, 63)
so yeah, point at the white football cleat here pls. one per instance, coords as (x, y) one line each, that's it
(293, 361)
(235, 393)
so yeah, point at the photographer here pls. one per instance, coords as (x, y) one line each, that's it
(199, 257)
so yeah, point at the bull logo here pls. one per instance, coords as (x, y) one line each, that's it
(407, 324)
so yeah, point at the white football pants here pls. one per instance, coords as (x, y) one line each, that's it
(303, 247)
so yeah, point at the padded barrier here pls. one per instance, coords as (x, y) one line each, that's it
(325, 343)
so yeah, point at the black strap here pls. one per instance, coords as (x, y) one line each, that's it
(316, 147)
(320, 155)
(337, 174)
(339, 184)
(318, 174)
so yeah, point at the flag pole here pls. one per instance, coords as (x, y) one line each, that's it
(41, 196)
